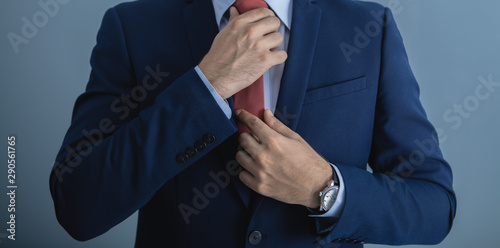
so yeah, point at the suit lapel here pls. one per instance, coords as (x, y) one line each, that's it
(301, 46)
(303, 33)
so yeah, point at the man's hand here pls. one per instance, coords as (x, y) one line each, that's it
(279, 163)
(243, 51)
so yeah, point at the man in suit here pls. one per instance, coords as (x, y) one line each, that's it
(157, 130)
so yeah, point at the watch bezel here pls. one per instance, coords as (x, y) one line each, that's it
(325, 206)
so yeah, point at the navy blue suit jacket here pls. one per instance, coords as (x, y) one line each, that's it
(347, 89)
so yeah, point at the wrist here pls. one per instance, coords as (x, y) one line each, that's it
(212, 78)
(323, 182)
(221, 89)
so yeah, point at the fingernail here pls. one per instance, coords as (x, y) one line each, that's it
(238, 111)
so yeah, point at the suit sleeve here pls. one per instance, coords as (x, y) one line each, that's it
(408, 199)
(112, 162)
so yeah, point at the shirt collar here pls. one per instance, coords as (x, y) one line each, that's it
(282, 8)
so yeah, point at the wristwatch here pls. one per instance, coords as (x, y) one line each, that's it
(329, 195)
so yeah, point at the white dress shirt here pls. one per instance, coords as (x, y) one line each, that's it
(272, 77)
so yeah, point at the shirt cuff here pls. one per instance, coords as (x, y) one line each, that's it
(338, 206)
(222, 103)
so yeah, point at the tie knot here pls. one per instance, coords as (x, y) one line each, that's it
(247, 5)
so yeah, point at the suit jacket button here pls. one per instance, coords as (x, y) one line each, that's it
(182, 158)
(200, 146)
(209, 138)
(191, 152)
(255, 238)
(359, 242)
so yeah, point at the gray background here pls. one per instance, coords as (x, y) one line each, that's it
(451, 43)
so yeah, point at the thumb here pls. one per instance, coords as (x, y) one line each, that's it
(233, 13)
(277, 125)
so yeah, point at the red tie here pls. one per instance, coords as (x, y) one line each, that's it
(251, 98)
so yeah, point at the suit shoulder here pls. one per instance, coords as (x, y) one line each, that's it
(148, 15)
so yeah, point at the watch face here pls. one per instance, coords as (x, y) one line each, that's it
(329, 198)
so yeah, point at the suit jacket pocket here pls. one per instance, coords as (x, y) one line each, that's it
(335, 90)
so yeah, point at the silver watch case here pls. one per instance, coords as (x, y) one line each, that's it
(328, 197)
